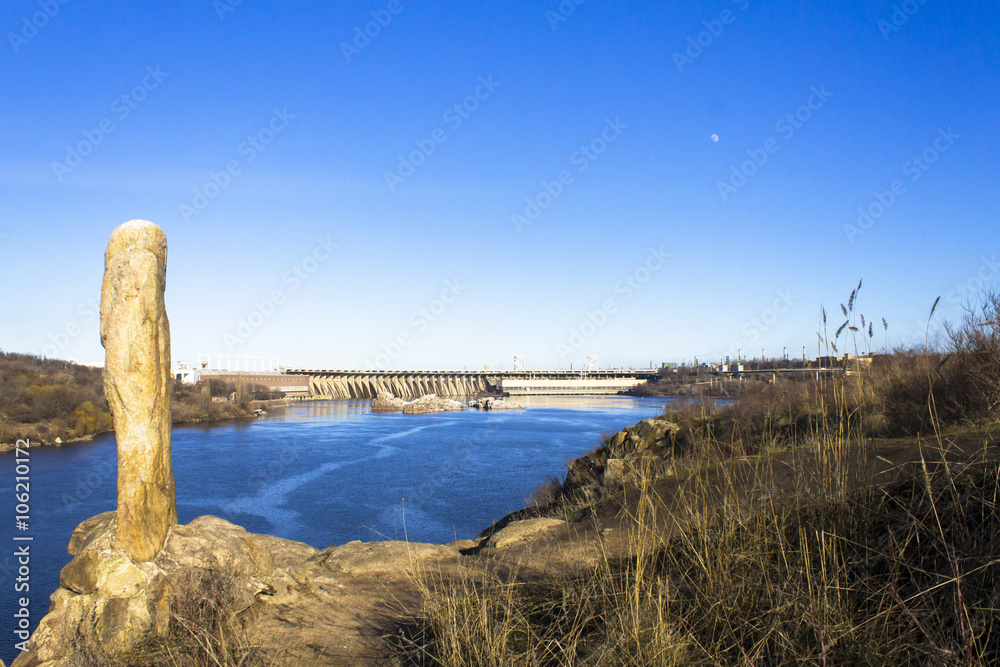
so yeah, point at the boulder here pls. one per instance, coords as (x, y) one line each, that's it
(108, 599)
(616, 442)
(383, 558)
(493, 403)
(431, 403)
(525, 530)
(386, 402)
(654, 431)
(614, 470)
(87, 528)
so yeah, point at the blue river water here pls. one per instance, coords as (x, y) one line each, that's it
(321, 472)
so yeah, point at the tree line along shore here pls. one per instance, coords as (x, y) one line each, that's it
(51, 401)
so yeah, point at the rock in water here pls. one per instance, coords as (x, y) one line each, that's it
(136, 337)
(492, 403)
(386, 402)
(431, 403)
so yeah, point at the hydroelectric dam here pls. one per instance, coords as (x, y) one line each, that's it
(415, 383)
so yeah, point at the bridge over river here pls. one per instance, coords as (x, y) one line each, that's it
(416, 383)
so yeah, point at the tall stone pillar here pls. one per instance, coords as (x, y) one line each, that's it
(136, 338)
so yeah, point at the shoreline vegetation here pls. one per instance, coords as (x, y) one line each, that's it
(53, 402)
(827, 520)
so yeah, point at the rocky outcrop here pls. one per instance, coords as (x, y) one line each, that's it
(431, 403)
(642, 449)
(136, 337)
(386, 402)
(517, 532)
(308, 606)
(107, 599)
(493, 403)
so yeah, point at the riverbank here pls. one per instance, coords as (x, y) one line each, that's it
(52, 402)
(674, 544)
(327, 472)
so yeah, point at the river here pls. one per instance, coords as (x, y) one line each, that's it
(321, 472)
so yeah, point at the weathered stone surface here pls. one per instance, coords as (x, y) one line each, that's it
(616, 441)
(463, 545)
(136, 336)
(113, 572)
(386, 402)
(431, 403)
(614, 470)
(520, 531)
(110, 600)
(649, 434)
(82, 532)
(384, 558)
(654, 430)
(493, 403)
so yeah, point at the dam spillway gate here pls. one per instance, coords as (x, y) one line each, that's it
(413, 384)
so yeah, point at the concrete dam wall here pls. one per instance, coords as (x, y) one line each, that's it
(414, 384)
(402, 385)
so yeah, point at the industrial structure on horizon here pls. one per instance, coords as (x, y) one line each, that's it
(521, 381)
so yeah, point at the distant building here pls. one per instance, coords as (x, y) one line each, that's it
(292, 386)
(847, 360)
(185, 372)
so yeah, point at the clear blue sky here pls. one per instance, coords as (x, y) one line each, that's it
(115, 111)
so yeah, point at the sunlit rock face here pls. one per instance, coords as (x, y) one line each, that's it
(136, 337)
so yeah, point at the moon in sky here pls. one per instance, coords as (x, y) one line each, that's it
(715, 137)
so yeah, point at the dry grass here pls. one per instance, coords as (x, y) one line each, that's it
(204, 630)
(906, 574)
(823, 570)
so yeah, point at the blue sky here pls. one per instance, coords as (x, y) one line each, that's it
(468, 181)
